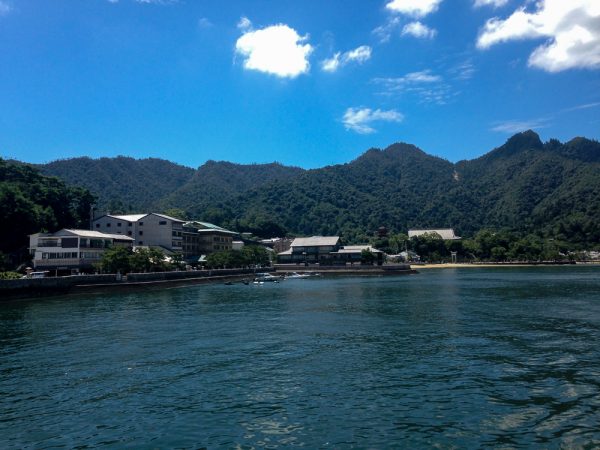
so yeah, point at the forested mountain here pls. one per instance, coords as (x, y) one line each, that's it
(524, 185)
(31, 202)
(122, 184)
(215, 184)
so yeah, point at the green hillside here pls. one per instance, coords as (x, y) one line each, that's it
(122, 184)
(31, 202)
(525, 185)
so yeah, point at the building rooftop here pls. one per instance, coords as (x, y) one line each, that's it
(316, 241)
(164, 216)
(357, 248)
(207, 227)
(92, 234)
(127, 217)
(136, 217)
(445, 233)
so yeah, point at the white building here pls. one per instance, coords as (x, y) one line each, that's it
(71, 250)
(147, 230)
(446, 234)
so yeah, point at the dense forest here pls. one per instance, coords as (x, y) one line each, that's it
(31, 202)
(525, 186)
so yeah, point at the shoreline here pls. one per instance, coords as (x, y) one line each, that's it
(491, 265)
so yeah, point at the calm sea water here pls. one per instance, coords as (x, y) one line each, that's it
(464, 358)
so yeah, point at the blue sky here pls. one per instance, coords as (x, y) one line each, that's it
(305, 83)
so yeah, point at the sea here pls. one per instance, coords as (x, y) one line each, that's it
(446, 358)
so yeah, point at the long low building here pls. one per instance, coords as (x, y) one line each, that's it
(72, 251)
(326, 250)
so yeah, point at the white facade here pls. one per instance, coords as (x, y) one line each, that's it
(70, 249)
(147, 230)
(446, 234)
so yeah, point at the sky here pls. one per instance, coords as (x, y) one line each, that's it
(302, 82)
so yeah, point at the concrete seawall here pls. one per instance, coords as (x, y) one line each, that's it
(39, 287)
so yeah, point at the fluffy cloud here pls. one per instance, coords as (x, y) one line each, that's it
(414, 8)
(360, 119)
(572, 28)
(5, 8)
(418, 30)
(494, 3)
(358, 55)
(278, 50)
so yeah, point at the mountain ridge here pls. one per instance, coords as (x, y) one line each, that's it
(523, 184)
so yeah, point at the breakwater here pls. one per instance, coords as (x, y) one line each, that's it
(27, 287)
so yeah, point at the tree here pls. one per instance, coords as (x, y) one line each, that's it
(148, 260)
(116, 259)
(367, 257)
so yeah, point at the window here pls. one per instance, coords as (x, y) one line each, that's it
(129, 224)
(108, 225)
(141, 233)
(129, 233)
(140, 242)
(162, 222)
(119, 224)
(141, 223)
(97, 225)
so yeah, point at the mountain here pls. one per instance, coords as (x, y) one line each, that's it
(122, 184)
(206, 193)
(524, 185)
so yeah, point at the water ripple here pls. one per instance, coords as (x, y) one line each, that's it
(446, 359)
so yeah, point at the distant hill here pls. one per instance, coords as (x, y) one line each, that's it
(524, 185)
(122, 184)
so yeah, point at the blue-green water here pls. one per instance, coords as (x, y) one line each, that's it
(465, 358)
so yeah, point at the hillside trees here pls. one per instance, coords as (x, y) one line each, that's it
(31, 202)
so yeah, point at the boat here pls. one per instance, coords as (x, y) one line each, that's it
(296, 275)
(267, 277)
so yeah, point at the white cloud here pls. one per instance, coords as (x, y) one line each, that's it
(516, 126)
(278, 50)
(384, 32)
(572, 28)
(5, 8)
(414, 8)
(156, 2)
(494, 3)
(244, 24)
(426, 86)
(360, 119)
(358, 55)
(418, 30)
(332, 64)
(204, 23)
(463, 70)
